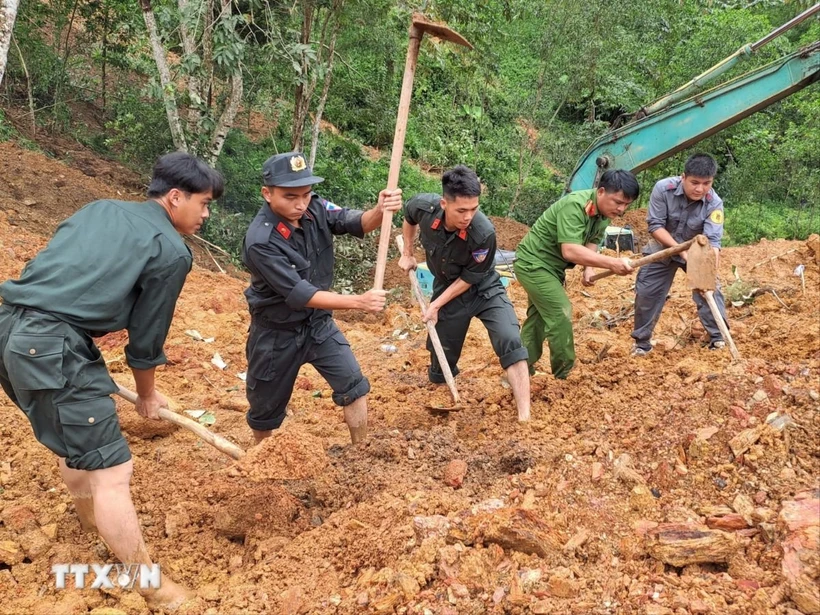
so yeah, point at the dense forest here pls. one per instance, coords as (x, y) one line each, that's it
(236, 81)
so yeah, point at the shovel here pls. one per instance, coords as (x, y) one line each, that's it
(218, 442)
(701, 275)
(417, 30)
(431, 331)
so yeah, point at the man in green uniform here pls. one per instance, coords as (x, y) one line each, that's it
(459, 243)
(567, 234)
(112, 265)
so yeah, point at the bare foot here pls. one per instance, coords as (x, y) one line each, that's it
(168, 597)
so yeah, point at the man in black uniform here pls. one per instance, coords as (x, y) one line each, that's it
(112, 265)
(289, 252)
(459, 242)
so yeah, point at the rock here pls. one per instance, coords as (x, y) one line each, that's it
(773, 386)
(597, 470)
(561, 584)
(50, 531)
(657, 609)
(644, 527)
(511, 528)
(699, 607)
(641, 498)
(363, 599)
(18, 518)
(541, 607)
(576, 541)
(10, 553)
(706, 433)
(800, 519)
(788, 474)
(235, 563)
(760, 396)
(430, 527)
(107, 610)
(743, 506)
(729, 523)
(292, 601)
(693, 545)
(625, 472)
(760, 497)
(211, 592)
(454, 473)
(35, 543)
(498, 595)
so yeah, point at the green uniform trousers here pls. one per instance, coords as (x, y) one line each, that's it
(549, 317)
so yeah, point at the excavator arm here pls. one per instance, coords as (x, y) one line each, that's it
(664, 132)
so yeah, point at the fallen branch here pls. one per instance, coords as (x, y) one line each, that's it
(208, 243)
(773, 258)
(218, 266)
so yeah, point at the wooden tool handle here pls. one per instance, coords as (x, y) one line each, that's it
(709, 295)
(431, 328)
(218, 442)
(652, 258)
(398, 148)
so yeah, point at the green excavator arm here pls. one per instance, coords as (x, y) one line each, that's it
(667, 129)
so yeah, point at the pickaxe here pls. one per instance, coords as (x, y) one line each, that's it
(418, 28)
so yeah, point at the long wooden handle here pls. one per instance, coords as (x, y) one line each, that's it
(431, 329)
(218, 442)
(709, 295)
(652, 258)
(398, 148)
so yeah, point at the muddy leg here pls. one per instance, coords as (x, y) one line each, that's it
(261, 435)
(519, 379)
(79, 487)
(356, 419)
(118, 525)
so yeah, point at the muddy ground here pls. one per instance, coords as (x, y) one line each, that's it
(462, 514)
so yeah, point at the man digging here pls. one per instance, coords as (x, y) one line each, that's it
(289, 251)
(459, 244)
(113, 265)
(679, 209)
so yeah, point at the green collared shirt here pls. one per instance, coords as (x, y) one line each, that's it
(112, 265)
(572, 219)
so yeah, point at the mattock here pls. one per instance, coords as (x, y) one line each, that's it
(419, 26)
(701, 274)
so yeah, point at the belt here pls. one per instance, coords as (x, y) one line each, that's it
(266, 323)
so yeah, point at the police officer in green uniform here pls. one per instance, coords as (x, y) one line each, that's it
(289, 251)
(680, 208)
(567, 234)
(459, 243)
(112, 265)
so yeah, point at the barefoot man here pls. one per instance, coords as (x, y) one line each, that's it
(112, 265)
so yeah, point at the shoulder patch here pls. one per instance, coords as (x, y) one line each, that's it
(330, 206)
(716, 216)
(480, 256)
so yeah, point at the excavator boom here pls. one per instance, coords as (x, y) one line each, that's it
(647, 141)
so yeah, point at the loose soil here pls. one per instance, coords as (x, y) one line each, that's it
(544, 521)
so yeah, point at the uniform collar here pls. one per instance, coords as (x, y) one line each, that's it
(679, 192)
(282, 226)
(438, 225)
(591, 207)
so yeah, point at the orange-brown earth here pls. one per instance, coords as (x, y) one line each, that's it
(545, 520)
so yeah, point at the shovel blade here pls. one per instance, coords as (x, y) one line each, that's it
(701, 271)
(439, 30)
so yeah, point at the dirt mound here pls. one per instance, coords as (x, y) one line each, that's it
(508, 233)
(561, 515)
(636, 220)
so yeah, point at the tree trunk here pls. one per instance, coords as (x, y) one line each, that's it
(174, 123)
(189, 48)
(227, 118)
(303, 90)
(8, 14)
(320, 109)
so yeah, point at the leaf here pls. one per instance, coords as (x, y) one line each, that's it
(207, 419)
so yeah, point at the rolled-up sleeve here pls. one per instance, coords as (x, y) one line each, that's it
(152, 313)
(344, 221)
(280, 274)
(713, 225)
(657, 213)
(475, 271)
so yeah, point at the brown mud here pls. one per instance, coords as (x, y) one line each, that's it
(560, 515)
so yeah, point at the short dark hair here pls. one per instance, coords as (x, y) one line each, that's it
(460, 181)
(700, 165)
(187, 173)
(619, 180)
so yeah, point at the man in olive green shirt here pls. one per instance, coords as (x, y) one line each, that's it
(567, 234)
(112, 265)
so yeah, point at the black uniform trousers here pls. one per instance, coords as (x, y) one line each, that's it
(275, 357)
(495, 310)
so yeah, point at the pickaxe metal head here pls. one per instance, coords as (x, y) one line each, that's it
(424, 26)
